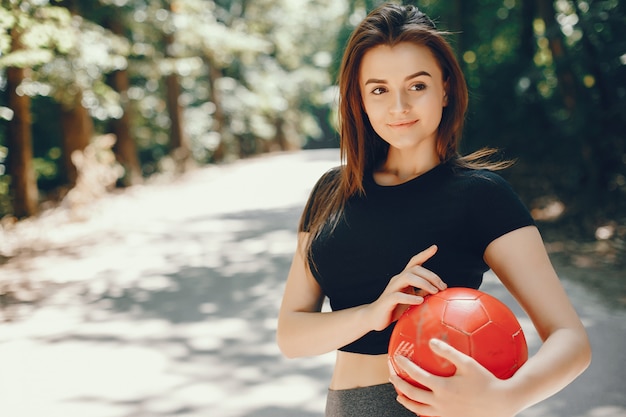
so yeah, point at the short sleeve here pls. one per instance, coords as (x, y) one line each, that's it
(495, 208)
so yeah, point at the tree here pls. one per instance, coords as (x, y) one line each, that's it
(125, 148)
(292, 85)
(179, 146)
(221, 43)
(20, 161)
(32, 33)
(225, 79)
(76, 122)
(583, 111)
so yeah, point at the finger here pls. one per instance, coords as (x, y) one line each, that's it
(412, 397)
(426, 286)
(415, 372)
(402, 298)
(458, 358)
(425, 279)
(418, 408)
(422, 257)
(412, 290)
(411, 391)
(408, 283)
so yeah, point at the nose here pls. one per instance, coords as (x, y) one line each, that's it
(400, 103)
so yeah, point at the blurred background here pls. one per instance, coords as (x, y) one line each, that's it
(200, 82)
(141, 87)
(155, 157)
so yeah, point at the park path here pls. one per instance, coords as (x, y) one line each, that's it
(162, 301)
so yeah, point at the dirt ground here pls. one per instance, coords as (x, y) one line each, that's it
(161, 300)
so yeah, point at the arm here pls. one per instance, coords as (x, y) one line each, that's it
(519, 259)
(303, 330)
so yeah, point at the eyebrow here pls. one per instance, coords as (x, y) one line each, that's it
(378, 81)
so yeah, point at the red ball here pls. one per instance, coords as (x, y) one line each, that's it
(471, 321)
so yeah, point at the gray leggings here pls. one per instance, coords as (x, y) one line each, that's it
(374, 401)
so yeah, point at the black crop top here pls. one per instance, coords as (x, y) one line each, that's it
(460, 210)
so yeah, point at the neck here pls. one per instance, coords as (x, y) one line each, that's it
(401, 166)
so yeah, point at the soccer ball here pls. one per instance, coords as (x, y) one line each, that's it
(469, 320)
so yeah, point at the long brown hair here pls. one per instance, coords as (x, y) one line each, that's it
(361, 148)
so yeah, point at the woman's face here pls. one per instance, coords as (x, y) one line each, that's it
(403, 94)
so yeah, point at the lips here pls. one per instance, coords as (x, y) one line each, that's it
(402, 123)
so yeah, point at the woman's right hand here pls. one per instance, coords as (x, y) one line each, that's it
(405, 289)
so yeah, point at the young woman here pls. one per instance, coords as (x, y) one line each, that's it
(404, 216)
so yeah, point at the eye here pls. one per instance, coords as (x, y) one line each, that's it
(379, 90)
(418, 87)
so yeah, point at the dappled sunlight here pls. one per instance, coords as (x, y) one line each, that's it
(164, 302)
(169, 304)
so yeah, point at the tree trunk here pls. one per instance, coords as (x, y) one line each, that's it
(178, 143)
(606, 153)
(125, 148)
(567, 79)
(589, 175)
(280, 138)
(593, 62)
(527, 35)
(173, 107)
(219, 116)
(76, 123)
(19, 141)
(179, 146)
(77, 127)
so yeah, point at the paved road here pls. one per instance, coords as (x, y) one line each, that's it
(162, 301)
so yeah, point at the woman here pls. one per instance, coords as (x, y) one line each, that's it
(405, 216)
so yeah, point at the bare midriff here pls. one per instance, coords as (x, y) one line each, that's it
(355, 370)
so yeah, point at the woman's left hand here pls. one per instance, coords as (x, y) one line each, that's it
(472, 391)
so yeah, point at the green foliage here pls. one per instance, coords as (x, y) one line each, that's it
(43, 30)
(260, 75)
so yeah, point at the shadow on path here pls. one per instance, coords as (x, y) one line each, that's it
(172, 310)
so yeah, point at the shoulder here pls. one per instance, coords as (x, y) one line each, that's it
(331, 175)
(493, 207)
(328, 180)
(324, 192)
(480, 180)
(482, 189)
